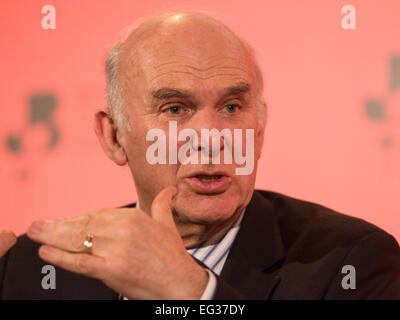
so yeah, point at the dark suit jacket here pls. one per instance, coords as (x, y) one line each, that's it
(286, 249)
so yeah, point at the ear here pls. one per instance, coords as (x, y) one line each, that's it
(106, 132)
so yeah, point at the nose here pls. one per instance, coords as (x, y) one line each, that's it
(212, 136)
(211, 142)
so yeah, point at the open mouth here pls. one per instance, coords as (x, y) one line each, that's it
(209, 183)
(208, 178)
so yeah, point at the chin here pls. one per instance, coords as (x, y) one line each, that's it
(206, 209)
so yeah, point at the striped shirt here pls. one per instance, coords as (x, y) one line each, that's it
(213, 253)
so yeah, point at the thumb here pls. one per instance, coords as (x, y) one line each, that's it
(161, 207)
(7, 240)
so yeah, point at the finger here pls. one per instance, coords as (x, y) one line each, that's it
(67, 234)
(70, 234)
(161, 207)
(7, 240)
(82, 263)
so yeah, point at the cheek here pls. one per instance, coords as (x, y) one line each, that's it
(158, 176)
(244, 184)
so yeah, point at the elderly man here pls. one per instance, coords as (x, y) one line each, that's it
(199, 229)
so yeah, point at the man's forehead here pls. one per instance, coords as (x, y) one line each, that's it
(200, 41)
(188, 74)
(191, 56)
(167, 53)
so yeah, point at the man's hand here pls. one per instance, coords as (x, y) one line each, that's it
(7, 240)
(139, 256)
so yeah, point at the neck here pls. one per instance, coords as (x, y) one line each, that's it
(195, 234)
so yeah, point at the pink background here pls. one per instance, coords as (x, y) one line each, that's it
(321, 145)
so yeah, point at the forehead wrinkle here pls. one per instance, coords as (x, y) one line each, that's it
(215, 61)
(209, 68)
(203, 77)
(184, 65)
(196, 76)
(217, 65)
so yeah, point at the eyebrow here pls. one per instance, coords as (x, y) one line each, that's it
(239, 88)
(167, 93)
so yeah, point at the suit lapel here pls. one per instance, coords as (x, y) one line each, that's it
(255, 251)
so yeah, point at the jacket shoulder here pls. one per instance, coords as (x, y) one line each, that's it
(310, 225)
(318, 242)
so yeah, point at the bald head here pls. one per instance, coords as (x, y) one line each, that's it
(195, 40)
(187, 29)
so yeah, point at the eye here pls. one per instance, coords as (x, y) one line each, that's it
(231, 108)
(174, 110)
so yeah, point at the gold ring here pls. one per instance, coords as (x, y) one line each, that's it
(88, 243)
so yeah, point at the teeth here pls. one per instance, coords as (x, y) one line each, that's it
(208, 178)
